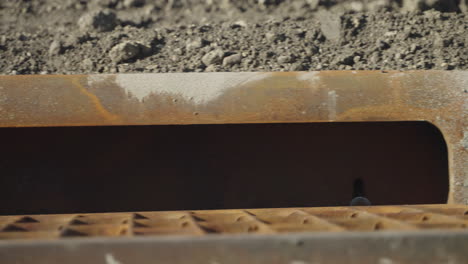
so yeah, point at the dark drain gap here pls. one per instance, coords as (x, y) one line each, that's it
(140, 168)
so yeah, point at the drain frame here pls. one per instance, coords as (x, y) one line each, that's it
(360, 247)
(438, 97)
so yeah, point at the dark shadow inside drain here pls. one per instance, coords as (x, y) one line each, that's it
(139, 168)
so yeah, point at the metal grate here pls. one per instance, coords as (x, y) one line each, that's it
(262, 221)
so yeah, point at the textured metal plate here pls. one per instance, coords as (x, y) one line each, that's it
(258, 221)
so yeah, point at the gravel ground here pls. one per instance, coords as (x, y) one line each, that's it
(110, 36)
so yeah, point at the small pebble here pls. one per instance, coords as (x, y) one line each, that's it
(213, 57)
(232, 60)
(133, 3)
(101, 21)
(127, 50)
(55, 48)
(284, 59)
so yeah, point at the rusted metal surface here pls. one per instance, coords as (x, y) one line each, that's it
(381, 234)
(439, 97)
(253, 221)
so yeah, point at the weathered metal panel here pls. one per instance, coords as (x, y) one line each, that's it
(304, 248)
(206, 98)
(439, 97)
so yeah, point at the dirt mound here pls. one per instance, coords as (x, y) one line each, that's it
(109, 36)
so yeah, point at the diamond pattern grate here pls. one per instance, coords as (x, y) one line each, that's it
(262, 221)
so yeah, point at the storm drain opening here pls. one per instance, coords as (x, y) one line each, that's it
(151, 168)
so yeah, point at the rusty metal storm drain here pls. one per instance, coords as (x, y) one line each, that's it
(435, 233)
(259, 221)
(437, 97)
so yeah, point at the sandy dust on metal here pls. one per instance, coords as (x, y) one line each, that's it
(236, 221)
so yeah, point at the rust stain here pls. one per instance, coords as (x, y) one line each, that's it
(95, 100)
